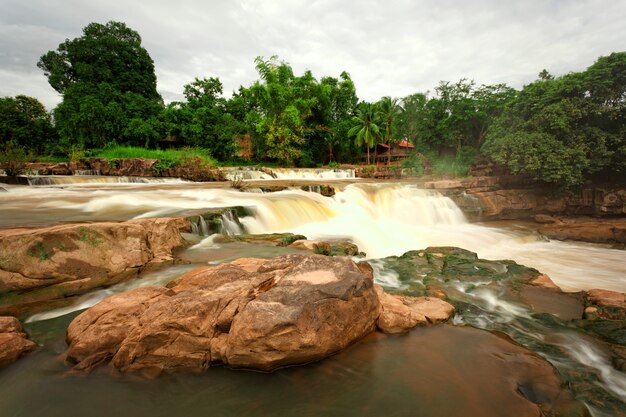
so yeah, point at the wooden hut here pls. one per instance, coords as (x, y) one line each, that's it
(396, 152)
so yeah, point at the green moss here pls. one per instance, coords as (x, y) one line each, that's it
(91, 237)
(38, 250)
(290, 238)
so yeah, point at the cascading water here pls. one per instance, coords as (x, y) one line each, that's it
(94, 177)
(383, 220)
(310, 173)
(230, 226)
(82, 172)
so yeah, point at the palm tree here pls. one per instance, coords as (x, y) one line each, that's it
(388, 110)
(364, 129)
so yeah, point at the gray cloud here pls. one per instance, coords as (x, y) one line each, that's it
(390, 48)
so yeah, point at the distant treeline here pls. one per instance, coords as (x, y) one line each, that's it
(562, 130)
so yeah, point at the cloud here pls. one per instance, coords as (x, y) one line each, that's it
(389, 48)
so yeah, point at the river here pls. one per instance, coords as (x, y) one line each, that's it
(382, 377)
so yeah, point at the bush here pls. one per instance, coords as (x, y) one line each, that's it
(167, 159)
(13, 159)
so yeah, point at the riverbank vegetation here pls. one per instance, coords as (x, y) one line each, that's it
(562, 130)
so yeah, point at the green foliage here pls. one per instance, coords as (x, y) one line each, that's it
(25, 123)
(108, 84)
(450, 166)
(566, 129)
(413, 165)
(166, 158)
(12, 159)
(364, 128)
(284, 102)
(76, 153)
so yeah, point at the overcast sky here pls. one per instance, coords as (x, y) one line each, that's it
(389, 47)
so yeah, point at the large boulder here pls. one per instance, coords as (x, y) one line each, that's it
(64, 260)
(13, 341)
(250, 313)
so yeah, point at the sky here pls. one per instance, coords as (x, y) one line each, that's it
(392, 47)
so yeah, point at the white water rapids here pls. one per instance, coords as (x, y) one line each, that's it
(382, 219)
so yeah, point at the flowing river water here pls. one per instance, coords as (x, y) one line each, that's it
(442, 371)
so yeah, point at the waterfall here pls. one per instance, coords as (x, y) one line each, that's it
(230, 225)
(382, 219)
(91, 178)
(254, 173)
(91, 172)
(250, 173)
(204, 228)
(310, 173)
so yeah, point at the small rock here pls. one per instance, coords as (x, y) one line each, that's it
(13, 341)
(544, 281)
(591, 313)
(400, 313)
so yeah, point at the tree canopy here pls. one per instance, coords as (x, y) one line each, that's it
(563, 130)
(24, 122)
(108, 84)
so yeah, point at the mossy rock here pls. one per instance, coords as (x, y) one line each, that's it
(213, 217)
(269, 239)
(613, 331)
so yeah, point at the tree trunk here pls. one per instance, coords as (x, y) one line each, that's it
(368, 155)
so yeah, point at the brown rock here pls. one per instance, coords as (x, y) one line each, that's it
(591, 313)
(395, 316)
(57, 261)
(544, 281)
(316, 246)
(399, 314)
(609, 305)
(606, 298)
(13, 341)
(587, 230)
(250, 313)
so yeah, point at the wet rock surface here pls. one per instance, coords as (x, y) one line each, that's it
(13, 341)
(330, 247)
(268, 239)
(586, 229)
(399, 314)
(59, 261)
(250, 313)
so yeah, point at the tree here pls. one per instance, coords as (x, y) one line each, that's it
(564, 130)
(334, 107)
(388, 111)
(364, 129)
(107, 79)
(24, 122)
(283, 103)
(411, 120)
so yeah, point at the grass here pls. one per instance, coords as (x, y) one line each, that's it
(174, 155)
(449, 167)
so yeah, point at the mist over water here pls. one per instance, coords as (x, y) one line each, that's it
(382, 219)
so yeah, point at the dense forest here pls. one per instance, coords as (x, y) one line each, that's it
(559, 129)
